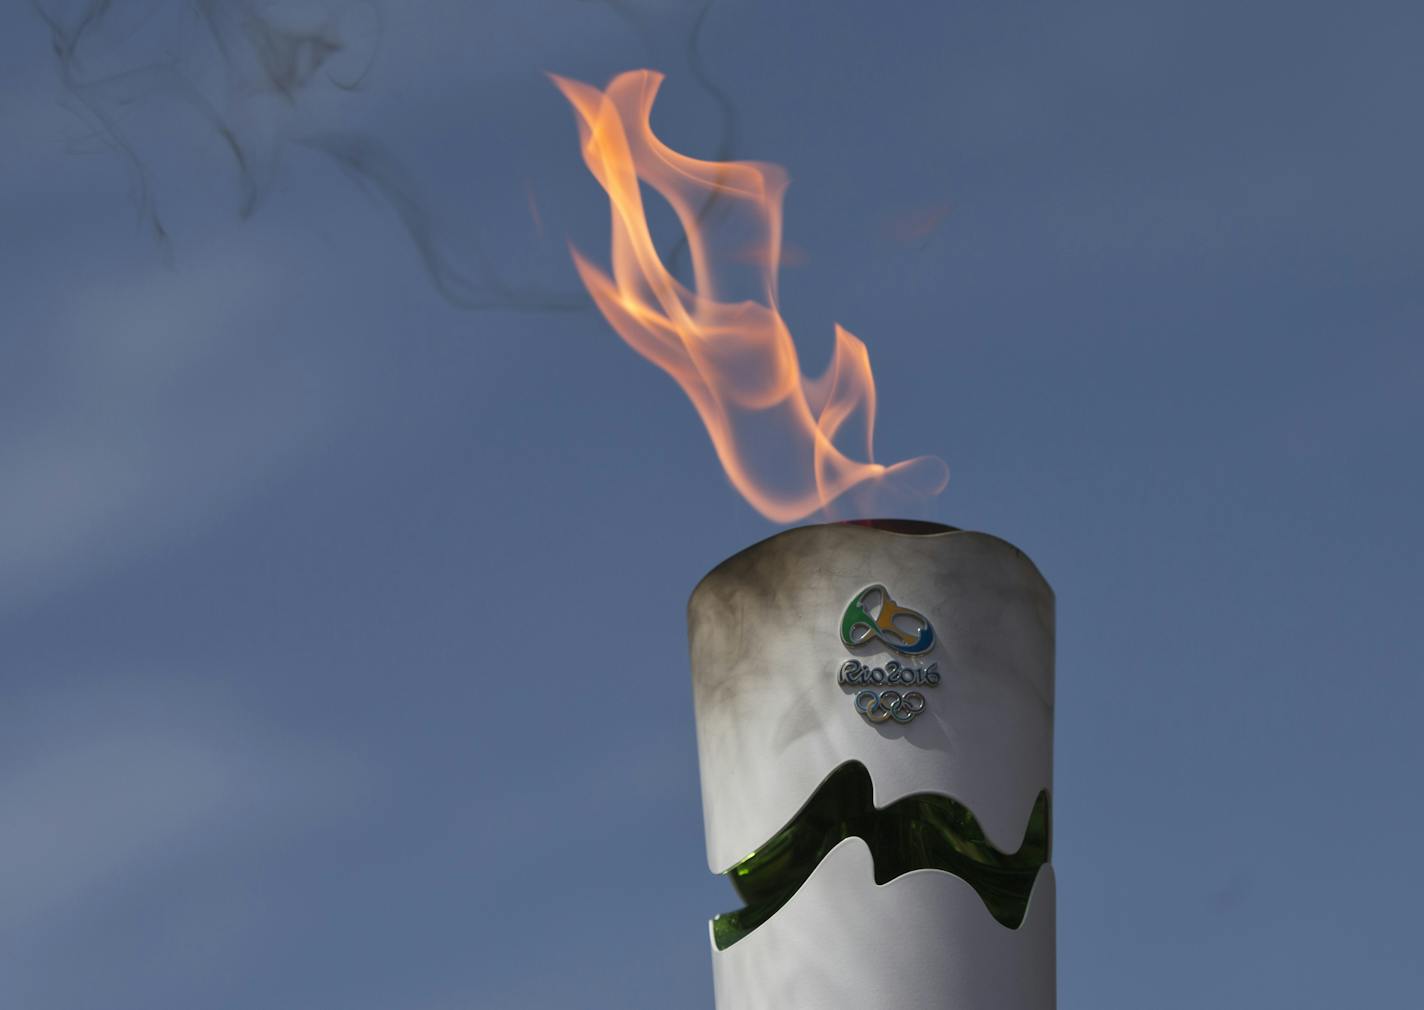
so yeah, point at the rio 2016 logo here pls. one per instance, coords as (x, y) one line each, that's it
(874, 615)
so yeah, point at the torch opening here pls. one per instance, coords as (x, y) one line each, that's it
(911, 527)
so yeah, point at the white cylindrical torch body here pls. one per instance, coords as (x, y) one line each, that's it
(810, 650)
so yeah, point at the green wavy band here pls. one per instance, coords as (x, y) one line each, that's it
(921, 831)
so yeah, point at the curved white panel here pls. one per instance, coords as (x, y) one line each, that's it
(923, 941)
(773, 722)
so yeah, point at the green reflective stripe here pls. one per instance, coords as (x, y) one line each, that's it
(921, 831)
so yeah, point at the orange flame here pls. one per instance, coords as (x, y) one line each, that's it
(774, 429)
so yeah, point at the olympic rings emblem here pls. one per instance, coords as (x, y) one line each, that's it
(878, 706)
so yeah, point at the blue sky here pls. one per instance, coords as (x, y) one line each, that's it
(342, 653)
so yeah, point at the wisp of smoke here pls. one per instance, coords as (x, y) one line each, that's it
(243, 68)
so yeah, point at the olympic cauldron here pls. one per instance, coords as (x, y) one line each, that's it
(874, 708)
